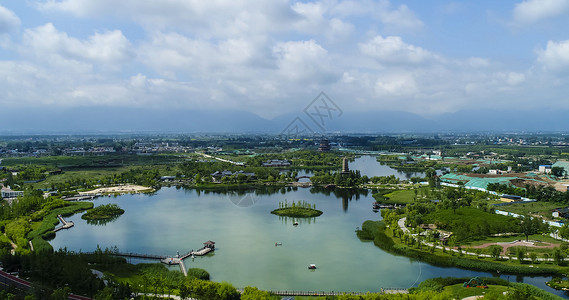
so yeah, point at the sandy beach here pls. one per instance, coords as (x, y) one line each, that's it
(129, 188)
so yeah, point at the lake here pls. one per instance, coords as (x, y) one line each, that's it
(176, 219)
(369, 166)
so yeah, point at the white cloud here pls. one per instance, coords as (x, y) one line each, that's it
(555, 57)
(8, 20)
(531, 11)
(392, 50)
(47, 43)
(395, 18)
(224, 18)
(396, 85)
(173, 53)
(267, 56)
(401, 17)
(305, 61)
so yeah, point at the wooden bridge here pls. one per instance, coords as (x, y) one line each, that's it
(64, 223)
(139, 255)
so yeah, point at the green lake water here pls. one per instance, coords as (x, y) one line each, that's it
(174, 219)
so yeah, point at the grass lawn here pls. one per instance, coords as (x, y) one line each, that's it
(79, 175)
(495, 239)
(541, 208)
(462, 292)
(512, 262)
(401, 197)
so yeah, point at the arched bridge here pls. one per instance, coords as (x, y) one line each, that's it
(301, 177)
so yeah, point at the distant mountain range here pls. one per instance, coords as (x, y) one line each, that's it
(106, 120)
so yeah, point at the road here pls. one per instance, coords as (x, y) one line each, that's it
(10, 280)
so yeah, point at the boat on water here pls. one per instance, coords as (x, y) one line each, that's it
(295, 223)
(278, 244)
(312, 267)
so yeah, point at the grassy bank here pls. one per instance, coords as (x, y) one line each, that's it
(43, 230)
(382, 237)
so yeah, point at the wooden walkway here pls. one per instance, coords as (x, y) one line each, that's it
(139, 255)
(64, 223)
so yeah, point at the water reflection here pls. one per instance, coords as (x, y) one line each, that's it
(296, 221)
(346, 194)
(102, 222)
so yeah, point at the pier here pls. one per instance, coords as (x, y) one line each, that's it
(207, 248)
(64, 223)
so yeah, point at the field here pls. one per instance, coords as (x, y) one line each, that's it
(462, 292)
(468, 222)
(541, 208)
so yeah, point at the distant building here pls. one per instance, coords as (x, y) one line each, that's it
(510, 198)
(345, 168)
(167, 178)
(560, 213)
(324, 146)
(218, 174)
(276, 163)
(6, 192)
(545, 169)
(494, 172)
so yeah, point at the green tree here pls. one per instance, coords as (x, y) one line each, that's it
(528, 226)
(495, 251)
(564, 231)
(253, 293)
(558, 171)
(533, 257)
(521, 254)
(558, 256)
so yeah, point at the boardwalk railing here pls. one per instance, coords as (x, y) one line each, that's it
(130, 254)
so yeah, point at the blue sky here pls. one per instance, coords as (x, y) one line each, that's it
(274, 56)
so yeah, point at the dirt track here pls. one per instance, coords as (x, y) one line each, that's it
(507, 245)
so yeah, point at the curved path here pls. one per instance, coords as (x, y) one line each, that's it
(507, 245)
(401, 224)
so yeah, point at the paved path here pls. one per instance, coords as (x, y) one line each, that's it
(401, 224)
(506, 245)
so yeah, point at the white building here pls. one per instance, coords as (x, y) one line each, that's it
(545, 169)
(6, 192)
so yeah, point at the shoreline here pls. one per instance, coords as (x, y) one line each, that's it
(128, 188)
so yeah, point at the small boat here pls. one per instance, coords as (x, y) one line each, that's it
(312, 267)
(278, 244)
(295, 223)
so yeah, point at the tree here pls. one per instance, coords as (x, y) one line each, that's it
(253, 293)
(558, 171)
(533, 257)
(495, 251)
(521, 254)
(558, 256)
(564, 231)
(528, 226)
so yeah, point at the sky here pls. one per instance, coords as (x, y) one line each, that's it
(272, 57)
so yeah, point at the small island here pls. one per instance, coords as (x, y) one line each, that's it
(300, 209)
(103, 212)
